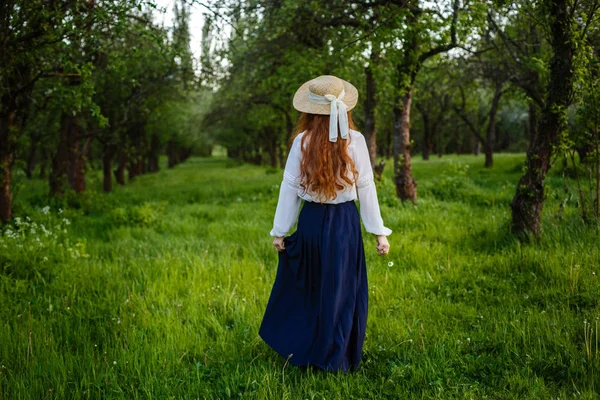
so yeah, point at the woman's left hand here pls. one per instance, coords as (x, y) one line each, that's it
(279, 243)
(383, 246)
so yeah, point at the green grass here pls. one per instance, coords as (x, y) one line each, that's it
(158, 289)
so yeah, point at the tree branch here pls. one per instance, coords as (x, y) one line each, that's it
(453, 43)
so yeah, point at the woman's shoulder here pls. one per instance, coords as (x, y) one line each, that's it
(355, 136)
(298, 139)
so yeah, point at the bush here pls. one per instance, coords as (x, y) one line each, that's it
(148, 214)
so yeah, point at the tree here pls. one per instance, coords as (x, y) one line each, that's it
(416, 49)
(30, 32)
(566, 34)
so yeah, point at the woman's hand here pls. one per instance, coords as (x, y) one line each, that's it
(383, 246)
(279, 244)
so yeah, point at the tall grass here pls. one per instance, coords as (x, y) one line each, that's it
(158, 289)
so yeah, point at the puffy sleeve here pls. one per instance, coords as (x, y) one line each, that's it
(366, 190)
(289, 202)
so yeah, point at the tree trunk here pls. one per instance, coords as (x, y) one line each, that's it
(7, 121)
(171, 153)
(529, 198)
(282, 157)
(30, 164)
(476, 147)
(491, 128)
(136, 160)
(43, 163)
(78, 164)
(273, 153)
(369, 105)
(272, 145)
(107, 156)
(63, 159)
(120, 171)
(154, 154)
(427, 136)
(406, 185)
(533, 121)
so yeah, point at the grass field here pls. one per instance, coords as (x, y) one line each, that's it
(157, 291)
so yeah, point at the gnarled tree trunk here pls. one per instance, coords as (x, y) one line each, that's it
(529, 198)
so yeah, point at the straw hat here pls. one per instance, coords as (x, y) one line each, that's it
(321, 86)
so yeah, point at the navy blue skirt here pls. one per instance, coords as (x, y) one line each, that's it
(317, 311)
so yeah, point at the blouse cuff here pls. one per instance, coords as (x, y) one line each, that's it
(383, 231)
(276, 233)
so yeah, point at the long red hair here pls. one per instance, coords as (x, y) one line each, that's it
(325, 165)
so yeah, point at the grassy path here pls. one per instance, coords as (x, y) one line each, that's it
(157, 291)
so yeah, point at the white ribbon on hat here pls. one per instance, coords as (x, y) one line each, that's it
(338, 113)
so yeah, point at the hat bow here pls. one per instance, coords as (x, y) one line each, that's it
(338, 113)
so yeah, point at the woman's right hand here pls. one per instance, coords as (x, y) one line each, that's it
(383, 246)
(279, 243)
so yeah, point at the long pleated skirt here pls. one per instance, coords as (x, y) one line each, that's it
(317, 311)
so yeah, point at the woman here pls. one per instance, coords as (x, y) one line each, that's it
(317, 311)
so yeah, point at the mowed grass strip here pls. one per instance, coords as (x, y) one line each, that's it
(158, 289)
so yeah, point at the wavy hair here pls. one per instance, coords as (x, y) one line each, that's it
(325, 165)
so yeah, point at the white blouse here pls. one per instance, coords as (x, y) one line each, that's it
(291, 194)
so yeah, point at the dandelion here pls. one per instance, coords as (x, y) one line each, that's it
(390, 264)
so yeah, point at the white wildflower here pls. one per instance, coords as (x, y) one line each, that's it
(391, 264)
(46, 210)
